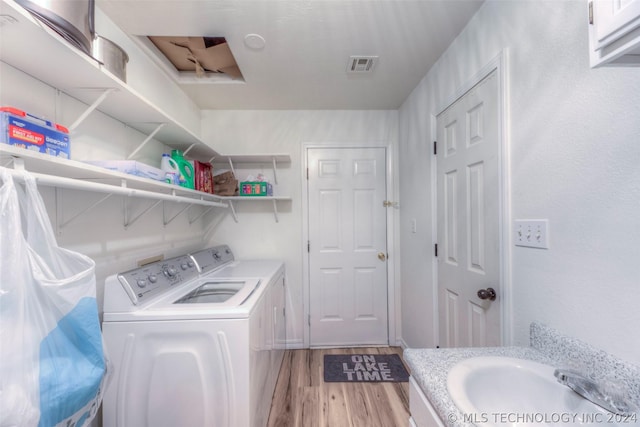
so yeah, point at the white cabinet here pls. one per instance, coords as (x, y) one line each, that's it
(614, 32)
(423, 414)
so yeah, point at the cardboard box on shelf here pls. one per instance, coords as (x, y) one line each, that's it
(225, 184)
(224, 177)
(203, 176)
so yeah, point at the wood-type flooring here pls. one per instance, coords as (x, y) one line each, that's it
(303, 399)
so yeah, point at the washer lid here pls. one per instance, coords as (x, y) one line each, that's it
(198, 300)
(227, 293)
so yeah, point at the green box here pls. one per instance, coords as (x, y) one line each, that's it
(254, 188)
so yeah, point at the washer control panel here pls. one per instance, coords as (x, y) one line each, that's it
(213, 258)
(144, 283)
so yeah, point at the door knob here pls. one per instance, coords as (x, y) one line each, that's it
(381, 256)
(488, 293)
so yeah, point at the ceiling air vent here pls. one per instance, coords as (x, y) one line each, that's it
(361, 64)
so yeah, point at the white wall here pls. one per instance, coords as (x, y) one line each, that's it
(100, 232)
(146, 78)
(257, 235)
(574, 160)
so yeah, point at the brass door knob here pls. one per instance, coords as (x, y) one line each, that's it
(382, 256)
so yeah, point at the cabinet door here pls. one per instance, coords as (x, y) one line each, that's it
(615, 18)
(615, 32)
(280, 327)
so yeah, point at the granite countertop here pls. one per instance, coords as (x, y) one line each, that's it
(430, 367)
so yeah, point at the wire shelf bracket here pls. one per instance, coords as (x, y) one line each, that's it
(91, 107)
(128, 222)
(200, 215)
(164, 214)
(60, 222)
(147, 139)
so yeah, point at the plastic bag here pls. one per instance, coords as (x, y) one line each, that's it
(52, 363)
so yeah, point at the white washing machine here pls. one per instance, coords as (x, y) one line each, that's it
(195, 340)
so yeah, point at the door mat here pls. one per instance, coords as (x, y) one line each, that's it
(364, 368)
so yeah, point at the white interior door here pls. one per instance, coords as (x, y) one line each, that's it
(468, 218)
(347, 246)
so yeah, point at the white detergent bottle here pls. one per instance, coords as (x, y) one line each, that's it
(171, 169)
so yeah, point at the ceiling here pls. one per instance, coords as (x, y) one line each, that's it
(308, 44)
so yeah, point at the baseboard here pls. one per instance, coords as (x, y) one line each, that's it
(400, 342)
(295, 344)
(298, 344)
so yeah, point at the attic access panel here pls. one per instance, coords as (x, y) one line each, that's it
(204, 56)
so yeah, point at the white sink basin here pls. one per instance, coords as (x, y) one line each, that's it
(504, 391)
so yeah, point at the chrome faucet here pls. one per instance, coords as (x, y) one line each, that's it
(600, 394)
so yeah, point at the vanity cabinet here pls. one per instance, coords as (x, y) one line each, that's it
(614, 33)
(423, 414)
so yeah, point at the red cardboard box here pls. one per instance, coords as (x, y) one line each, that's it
(203, 179)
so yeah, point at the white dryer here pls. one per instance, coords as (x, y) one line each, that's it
(196, 340)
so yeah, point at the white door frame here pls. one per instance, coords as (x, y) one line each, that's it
(393, 300)
(499, 64)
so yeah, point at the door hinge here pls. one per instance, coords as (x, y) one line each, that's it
(308, 246)
(309, 319)
(435, 148)
(307, 174)
(283, 312)
(591, 12)
(436, 249)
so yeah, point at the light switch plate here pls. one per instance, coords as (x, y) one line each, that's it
(531, 233)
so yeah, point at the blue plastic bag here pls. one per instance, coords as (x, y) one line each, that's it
(52, 362)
